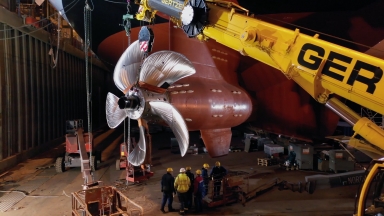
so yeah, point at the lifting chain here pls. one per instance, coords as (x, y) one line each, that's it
(88, 77)
(127, 27)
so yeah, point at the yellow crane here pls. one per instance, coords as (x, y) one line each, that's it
(321, 68)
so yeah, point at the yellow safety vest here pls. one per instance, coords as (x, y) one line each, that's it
(182, 183)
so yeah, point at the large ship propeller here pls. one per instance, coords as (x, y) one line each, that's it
(144, 84)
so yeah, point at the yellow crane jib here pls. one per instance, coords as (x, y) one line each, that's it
(320, 67)
(191, 16)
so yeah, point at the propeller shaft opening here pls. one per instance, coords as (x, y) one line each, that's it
(130, 102)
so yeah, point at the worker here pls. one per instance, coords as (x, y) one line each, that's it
(204, 174)
(291, 157)
(168, 189)
(182, 184)
(190, 191)
(198, 191)
(217, 174)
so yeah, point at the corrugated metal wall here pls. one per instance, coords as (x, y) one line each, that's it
(36, 99)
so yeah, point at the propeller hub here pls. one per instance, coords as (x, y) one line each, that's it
(129, 102)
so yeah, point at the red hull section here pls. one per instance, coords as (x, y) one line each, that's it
(284, 107)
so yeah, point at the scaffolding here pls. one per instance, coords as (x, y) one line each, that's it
(105, 200)
(375, 117)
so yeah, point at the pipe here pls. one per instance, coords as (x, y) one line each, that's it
(171, 8)
(346, 113)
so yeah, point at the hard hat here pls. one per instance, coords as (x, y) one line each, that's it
(217, 163)
(188, 168)
(206, 165)
(198, 172)
(169, 170)
(182, 170)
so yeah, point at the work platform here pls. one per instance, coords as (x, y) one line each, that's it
(41, 191)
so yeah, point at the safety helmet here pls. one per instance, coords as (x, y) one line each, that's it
(188, 168)
(206, 165)
(169, 170)
(198, 172)
(182, 170)
(217, 163)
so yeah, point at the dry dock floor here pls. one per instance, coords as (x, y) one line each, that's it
(45, 192)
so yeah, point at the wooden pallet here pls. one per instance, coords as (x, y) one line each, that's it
(266, 161)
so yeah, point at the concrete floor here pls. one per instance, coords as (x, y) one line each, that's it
(49, 192)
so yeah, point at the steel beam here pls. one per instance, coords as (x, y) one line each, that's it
(27, 101)
(32, 78)
(38, 93)
(2, 72)
(19, 106)
(7, 114)
(44, 126)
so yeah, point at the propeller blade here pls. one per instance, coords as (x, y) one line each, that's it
(137, 156)
(114, 114)
(175, 121)
(165, 67)
(128, 67)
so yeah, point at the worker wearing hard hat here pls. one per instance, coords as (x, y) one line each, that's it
(167, 187)
(217, 174)
(190, 191)
(198, 191)
(204, 174)
(182, 184)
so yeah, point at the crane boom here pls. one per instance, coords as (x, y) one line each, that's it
(319, 67)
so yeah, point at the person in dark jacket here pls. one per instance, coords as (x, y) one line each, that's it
(217, 174)
(190, 191)
(291, 156)
(204, 174)
(198, 191)
(168, 189)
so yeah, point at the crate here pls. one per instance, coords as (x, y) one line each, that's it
(340, 160)
(256, 143)
(266, 161)
(271, 149)
(304, 155)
